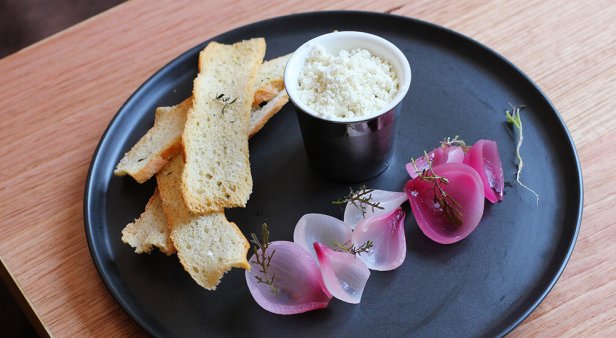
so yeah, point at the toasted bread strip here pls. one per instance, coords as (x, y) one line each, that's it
(207, 245)
(215, 138)
(160, 143)
(260, 116)
(150, 229)
(270, 80)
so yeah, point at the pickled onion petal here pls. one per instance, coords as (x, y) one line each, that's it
(483, 157)
(465, 187)
(297, 278)
(388, 200)
(438, 156)
(387, 235)
(344, 275)
(320, 228)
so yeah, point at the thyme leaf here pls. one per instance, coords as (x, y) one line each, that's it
(225, 101)
(352, 248)
(513, 118)
(454, 142)
(263, 260)
(361, 199)
(442, 200)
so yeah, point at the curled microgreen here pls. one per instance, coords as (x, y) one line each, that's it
(513, 118)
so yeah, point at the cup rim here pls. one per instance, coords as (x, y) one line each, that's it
(295, 64)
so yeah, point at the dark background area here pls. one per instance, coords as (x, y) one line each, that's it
(22, 23)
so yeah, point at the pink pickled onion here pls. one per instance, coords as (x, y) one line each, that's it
(440, 155)
(320, 228)
(464, 186)
(297, 279)
(483, 157)
(387, 235)
(344, 275)
(388, 201)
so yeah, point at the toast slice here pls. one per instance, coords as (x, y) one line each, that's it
(207, 245)
(215, 138)
(150, 229)
(260, 116)
(270, 80)
(163, 140)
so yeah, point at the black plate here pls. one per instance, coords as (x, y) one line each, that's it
(484, 285)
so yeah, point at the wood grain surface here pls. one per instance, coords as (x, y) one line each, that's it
(58, 96)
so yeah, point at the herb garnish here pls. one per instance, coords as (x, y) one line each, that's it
(361, 199)
(226, 101)
(352, 249)
(264, 260)
(442, 200)
(513, 117)
(454, 142)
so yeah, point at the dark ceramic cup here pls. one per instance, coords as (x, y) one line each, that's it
(349, 149)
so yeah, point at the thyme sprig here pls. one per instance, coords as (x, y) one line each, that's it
(352, 248)
(361, 199)
(513, 117)
(454, 142)
(442, 200)
(226, 101)
(263, 260)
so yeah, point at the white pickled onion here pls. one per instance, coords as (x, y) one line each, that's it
(320, 228)
(455, 154)
(464, 186)
(388, 200)
(344, 275)
(387, 235)
(438, 156)
(297, 278)
(483, 157)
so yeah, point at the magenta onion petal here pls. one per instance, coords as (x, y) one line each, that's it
(464, 186)
(320, 228)
(483, 157)
(438, 156)
(297, 278)
(388, 200)
(344, 275)
(387, 235)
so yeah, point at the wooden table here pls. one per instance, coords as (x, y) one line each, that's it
(58, 96)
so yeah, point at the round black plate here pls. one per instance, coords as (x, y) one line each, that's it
(483, 285)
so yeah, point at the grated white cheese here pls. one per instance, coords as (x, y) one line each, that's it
(351, 84)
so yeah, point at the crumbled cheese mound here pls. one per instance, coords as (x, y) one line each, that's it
(351, 84)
